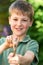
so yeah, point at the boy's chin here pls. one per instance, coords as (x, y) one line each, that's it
(19, 34)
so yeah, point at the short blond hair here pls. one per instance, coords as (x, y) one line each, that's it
(22, 6)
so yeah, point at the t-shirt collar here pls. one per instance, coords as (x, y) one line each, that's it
(26, 39)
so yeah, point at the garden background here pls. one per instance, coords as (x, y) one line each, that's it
(36, 31)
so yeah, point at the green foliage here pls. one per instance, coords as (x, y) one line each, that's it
(37, 28)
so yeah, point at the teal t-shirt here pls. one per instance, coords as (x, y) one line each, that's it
(26, 44)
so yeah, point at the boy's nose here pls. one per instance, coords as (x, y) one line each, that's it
(19, 23)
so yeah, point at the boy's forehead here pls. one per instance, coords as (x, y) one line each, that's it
(18, 12)
(19, 16)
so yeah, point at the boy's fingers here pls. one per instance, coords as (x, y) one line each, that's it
(9, 39)
(10, 55)
(12, 64)
(12, 61)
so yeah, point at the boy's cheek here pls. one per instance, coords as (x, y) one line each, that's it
(25, 27)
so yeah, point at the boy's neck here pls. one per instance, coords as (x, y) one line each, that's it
(20, 38)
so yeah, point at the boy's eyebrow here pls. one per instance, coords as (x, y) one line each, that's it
(15, 17)
(22, 18)
(25, 18)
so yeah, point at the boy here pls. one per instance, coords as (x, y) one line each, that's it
(20, 19)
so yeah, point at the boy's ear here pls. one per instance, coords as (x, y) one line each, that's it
(31, 22)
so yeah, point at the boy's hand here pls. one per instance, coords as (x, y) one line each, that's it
(13, 60)
(8, 43)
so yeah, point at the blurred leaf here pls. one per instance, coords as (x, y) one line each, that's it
(38, 24)
(39, 14)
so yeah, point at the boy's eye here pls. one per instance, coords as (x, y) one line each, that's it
(24, 20)
(15, 19)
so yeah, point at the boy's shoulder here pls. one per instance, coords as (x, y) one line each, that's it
(31, 41)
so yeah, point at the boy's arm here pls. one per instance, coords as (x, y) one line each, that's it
(2, 48)
(27, 58)
(31, 56)
(21, 60)
(6, 44)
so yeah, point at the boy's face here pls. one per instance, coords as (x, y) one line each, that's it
(19, 23)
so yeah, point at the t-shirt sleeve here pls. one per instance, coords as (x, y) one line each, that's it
(2, 40)
(34, 47)
(1, 55)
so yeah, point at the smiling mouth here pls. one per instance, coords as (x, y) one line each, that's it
(18, 29)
